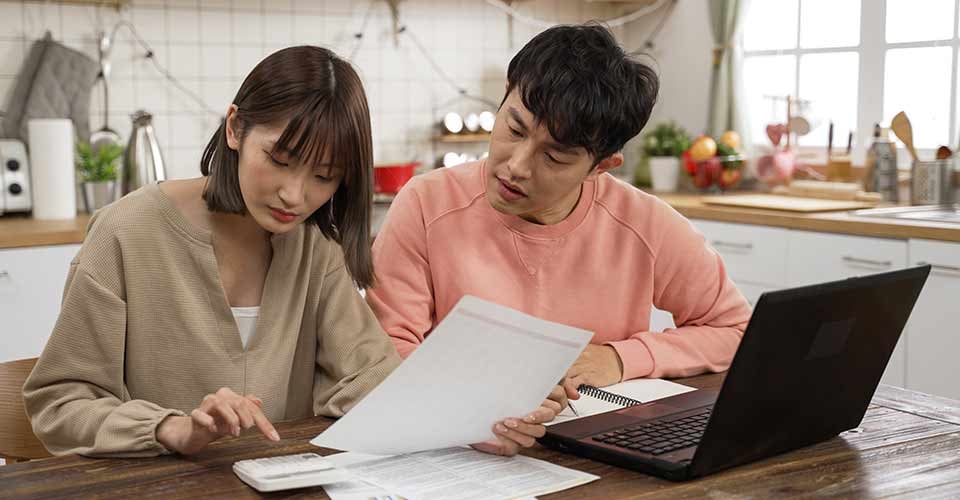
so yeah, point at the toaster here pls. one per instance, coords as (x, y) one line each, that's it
(14, 177)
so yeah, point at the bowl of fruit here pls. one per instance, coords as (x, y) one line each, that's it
(713, 163)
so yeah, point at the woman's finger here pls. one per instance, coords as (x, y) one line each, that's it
(205, 420)
(553, 406)
(263, 423)
(243, 409)
(224, 413)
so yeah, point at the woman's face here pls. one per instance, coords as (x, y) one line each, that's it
(278, 190)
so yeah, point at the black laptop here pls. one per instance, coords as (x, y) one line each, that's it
(805, 371)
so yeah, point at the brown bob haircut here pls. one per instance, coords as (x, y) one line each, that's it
(321, 98)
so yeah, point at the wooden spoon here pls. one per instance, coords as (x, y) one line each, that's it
(904, 131)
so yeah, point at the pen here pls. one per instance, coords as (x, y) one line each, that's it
(574, 410)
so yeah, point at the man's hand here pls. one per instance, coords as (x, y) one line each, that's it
(223, 413)
(515, 433)
(598, 365)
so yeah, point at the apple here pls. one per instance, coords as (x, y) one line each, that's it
(708, 172)
(732, 139)
(703, 148)
(729, 177)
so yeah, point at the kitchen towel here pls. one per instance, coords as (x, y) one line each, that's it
(51, 160)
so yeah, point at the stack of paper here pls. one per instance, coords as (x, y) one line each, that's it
(451, 474)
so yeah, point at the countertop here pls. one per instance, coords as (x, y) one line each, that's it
(18, 231)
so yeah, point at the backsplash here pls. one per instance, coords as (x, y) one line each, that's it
(209, 46)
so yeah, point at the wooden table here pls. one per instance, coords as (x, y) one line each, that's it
(908, 445)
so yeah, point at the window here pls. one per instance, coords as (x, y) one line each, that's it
(855, 62)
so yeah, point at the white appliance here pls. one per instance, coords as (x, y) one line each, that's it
(14, 177)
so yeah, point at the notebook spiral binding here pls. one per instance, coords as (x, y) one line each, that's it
(609, 397)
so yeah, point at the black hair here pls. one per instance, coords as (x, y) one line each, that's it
(322, 100)
(579, 82)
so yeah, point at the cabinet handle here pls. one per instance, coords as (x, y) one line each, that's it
(4, 274)
(746, 247)
(933, 267)
(868, 262)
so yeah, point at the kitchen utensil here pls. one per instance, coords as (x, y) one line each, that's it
(14, 177)
(105, 135)
(904, 131)
(486, 121)
(943, 153)
(452, 123)
(471, 122)
(142, 162)
(390, 178)
(776, 131)
(829, 141)
(799, 125)
(931, 182)
(785, 203)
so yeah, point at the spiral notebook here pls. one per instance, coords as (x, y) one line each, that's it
(595, 400)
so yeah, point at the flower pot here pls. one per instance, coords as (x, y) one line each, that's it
(97, 195)
(664, 173)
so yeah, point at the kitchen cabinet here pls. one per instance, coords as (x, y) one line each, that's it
(752, 254)
(820, 257)
(31, 288)
(933, 351)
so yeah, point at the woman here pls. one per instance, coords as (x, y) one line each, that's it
(199, 308)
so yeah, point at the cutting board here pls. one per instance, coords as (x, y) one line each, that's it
(786, 203)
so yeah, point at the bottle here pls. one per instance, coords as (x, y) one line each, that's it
(142, 162)
(882, 166)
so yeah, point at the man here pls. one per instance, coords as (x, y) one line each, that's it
(541, 227)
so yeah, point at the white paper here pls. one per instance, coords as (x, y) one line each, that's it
(643, 390)
(52, 168)
(466, 474)
(483, 363)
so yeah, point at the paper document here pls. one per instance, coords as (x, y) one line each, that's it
(464, 474)
(642, 389)
(483, 363)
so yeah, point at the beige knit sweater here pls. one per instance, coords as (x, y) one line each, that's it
(145, 331)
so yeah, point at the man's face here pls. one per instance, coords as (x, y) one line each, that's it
(529, 174)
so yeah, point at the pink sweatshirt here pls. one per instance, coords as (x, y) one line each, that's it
(620, 252)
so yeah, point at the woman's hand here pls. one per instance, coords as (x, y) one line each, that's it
(224, 413)
(515, 433)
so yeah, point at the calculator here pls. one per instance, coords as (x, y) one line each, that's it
(288, 471)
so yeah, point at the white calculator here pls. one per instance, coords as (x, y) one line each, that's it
(288, 471)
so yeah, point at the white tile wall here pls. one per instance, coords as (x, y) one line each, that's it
(210, 46)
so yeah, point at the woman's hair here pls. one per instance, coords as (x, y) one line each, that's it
(323, 99)
(581, 84)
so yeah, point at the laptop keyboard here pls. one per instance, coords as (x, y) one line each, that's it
(659, 436)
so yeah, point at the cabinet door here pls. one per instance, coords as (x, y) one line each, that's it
(31, 288)
(820, 257)
(752, 254)
(933, 355)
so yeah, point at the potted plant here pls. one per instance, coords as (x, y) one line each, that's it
(98, 174)
(663, 146)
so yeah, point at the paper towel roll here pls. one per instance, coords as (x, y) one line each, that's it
(52, 168)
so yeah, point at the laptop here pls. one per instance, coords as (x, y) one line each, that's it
(806, 369)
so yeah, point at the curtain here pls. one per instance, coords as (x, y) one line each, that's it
(726, 83)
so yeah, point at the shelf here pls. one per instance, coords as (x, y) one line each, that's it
(484, 137)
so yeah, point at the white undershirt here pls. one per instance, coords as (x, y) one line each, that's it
(246, 318)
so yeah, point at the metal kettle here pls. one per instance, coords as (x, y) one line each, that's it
(143, 162)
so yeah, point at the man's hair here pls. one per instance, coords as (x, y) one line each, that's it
(321, 99)
(584, 87)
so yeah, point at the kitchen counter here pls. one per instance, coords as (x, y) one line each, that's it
(19, 231)
(691, 206)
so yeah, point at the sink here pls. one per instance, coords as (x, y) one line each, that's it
(929, 213)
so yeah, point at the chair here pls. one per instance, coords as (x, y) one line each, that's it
(17, 441)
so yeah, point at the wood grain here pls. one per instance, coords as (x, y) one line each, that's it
(19, 231)
(17, 441)
(907, 445)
